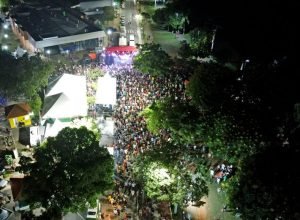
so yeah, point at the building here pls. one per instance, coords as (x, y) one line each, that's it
(93, 5)
(18, 115)
(52, 29)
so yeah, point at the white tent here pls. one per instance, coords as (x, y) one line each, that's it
(52, 129)
(66, 97)
(106, 90)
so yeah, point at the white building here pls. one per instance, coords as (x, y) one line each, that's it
(43, 27)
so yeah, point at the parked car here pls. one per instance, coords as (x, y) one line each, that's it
(131, 40)
(3, 183)
(94, 213)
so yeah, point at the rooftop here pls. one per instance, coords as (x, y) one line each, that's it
(50, 21)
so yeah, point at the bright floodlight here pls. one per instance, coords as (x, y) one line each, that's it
(5, 26)
(114, 4)
(5, 47)
(109, 32)
(5, 35)
(48, 51)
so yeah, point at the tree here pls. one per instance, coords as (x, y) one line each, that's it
(153, 60)
(94, 73)
(177, 21)
(109, 13)
(161, 16)
(167, 175)
(68, 171)
(201, 40)
(4, 4)
(207, 86)
(266, 185)
(24, 76)
(180, 121)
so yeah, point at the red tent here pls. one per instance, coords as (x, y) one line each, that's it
(93, 56)
(121, 49)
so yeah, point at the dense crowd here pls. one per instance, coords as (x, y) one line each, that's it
(135, 91)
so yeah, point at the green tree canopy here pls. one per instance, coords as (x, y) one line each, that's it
(24, 76)
(4, 4)
(180, 121)
(201, 40)
(68, 171)
(177, 21)
(161, 16)
(207, 86)
(167, 176)
(153, 60)
(109, 13)
(266, 186)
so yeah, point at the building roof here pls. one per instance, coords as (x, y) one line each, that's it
(66, 97)
(90, 5)
(50, 21)
(17, 110)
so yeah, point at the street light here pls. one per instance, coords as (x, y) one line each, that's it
(5, 35)
(48, 52)
(5, 47)
(109, 32)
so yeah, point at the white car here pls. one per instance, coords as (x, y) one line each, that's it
(3, 183)
(131, 37)
(93, 213)
(131, 40)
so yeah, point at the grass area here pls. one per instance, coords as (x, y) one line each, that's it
(215, 202)
(167, 40)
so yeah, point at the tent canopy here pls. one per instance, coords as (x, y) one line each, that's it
(66, 97)
(106, 90)
(121, 49)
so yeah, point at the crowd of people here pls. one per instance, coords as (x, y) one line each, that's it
(136, 91)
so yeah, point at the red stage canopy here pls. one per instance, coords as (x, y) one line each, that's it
(121, 49)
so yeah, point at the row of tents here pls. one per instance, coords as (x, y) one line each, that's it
(65, 100)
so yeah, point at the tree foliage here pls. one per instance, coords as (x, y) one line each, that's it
(4, 4)
(68, 171)
(166, 176)
(201, 40)
(177, 21)
(180, 121)
(95, 73)
(266, 186)
(153, 60)
(161, 16)
(109, 13)
(207, 86)
(24, 77)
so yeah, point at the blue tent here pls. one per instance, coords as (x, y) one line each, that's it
(3, 101)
